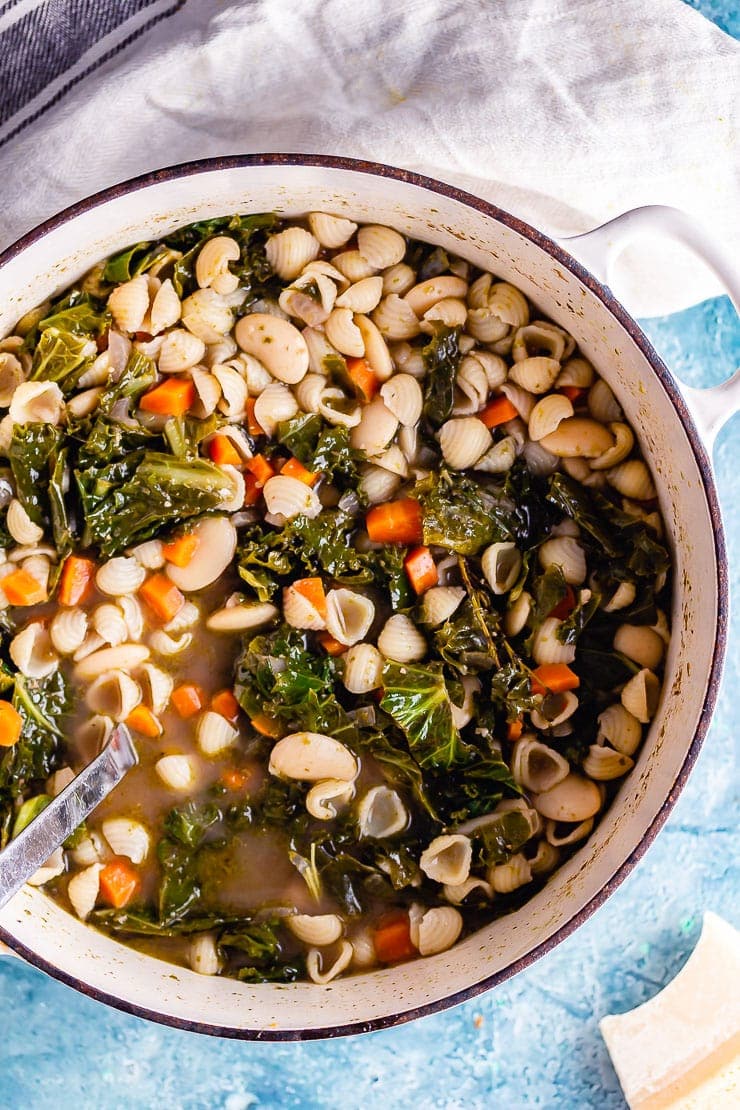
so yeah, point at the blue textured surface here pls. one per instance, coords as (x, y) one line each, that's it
(532, 1042)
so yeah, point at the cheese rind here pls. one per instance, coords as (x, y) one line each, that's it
(681, 1049)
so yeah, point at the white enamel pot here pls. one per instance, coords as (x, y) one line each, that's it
(58, 252)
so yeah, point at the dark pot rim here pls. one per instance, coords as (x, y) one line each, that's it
(374, 169)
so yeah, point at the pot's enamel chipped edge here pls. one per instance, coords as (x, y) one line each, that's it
(62, 249)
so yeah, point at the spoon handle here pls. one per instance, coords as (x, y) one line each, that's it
(47, 832)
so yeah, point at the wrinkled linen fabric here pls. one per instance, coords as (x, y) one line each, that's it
(563, 112)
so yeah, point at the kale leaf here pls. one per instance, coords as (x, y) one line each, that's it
(62, 357)
(461, 514)
(34, 455)
(441, 359)
(418, 700)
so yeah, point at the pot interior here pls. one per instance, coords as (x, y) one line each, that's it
(98, 964)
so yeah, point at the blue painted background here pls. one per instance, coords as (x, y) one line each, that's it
(533, 1042)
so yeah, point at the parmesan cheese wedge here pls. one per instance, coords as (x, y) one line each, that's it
(681, 1050)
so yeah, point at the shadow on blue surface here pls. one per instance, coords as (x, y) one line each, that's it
(531, 1043)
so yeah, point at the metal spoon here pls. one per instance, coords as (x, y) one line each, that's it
(47, 832)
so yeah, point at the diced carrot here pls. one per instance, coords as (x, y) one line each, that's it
(565, 606)
(119, 882)
(330, 645)
(172, 398)
(313, 591)
(223, 452)
(180, 551)
(554, 678)
(188, 699)
(76, 580)
(261, 469)
(515, 729)
(141, 719)
(572, 392)
(392, 940)
(252, 489)
(11, 724)
(295, 469)
(265, 726)
(364, 380)
(162, 596)
(226, 704)
(421, 569)
(253, 426)
(497, 411)
(21, 588)
(395, 522)
(234, 779)
(102, 341)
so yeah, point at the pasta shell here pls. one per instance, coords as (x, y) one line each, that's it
(554, 710)
(485, 326)
(538, 460)
(380, 246)
(363, 296)
(577, 372)
(166, 308)
(522, 400)
(290, 498)
(234, 392)
(129, 303)
(393, 459)
(463, 714)
(207, 315)
(536, 375)
(624, 441)
(408, 441)
(573, 799)
(54, 866)
(222, 350)
(127, 838)
(149, 554)
(564, 552)
(619, 728)
(331, 231)
(240, 617)
(93, 735)
(19, 524)
(641, 644)
(464, 440)
(322, 975)
(158, 686)
(306, 306)
(36, 403)
(641, 694)
(471, 387)
(536, 767)
(91, 849)
(188, 615)
(110, 624)
(203, 954)
(11, 376)
(547, 414)
(632, 479)
(547, 648)
(216, 546)
(325, 799)
(429, 293)
(353, 266)
(500, 458)
(32, 652)
(509, 876)
(546, 858)
(274, 404)
(163, 643)
(59, 781)
(381, 813)
(298, 611)
(363, 669)
(460, 893)
(604, 764)
(395, 318)
(517, 614)
(120, 576)
(501, 563)
(377, 355)
(538, 337)
(319, 929)
(114, 695)
(401, 641)
(83, 404)
(578, 437)
(176, 771)
(82, 890)
(439, 603)
(344, 334)
(179, 351)
(308, 392)
(602, 404)
(447, 860)
(349, 615)
(337, 409)
(438, 930)
(290, 250)
(559, 837)
(377, 485)
(125, 657)
(403, 397)
(214, 733)
(398, 279)
(212, 264)
(312, 757)
(509, 304)
(408, 359)
(376, 428)
(277, 344)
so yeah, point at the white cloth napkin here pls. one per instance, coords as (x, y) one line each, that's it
(564, 112)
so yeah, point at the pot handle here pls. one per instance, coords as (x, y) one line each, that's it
(711, 408)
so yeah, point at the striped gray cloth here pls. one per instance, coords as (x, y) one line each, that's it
(49, 46)
(564, 112)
